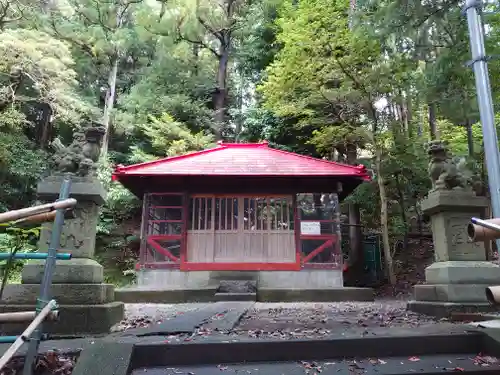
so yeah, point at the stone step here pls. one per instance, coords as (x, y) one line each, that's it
(233, 275)
(237, 286)
(236, 297)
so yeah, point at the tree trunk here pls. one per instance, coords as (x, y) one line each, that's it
(409, 114)
(220, 96)
(384, 216)
(432, 121)
(470, 137)
(402, 207)
(356, 269)
(239, 120)
(356, 259)
(420, 124)
(109, 104)
(196, 57)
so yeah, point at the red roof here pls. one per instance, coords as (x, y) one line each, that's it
(242, 159)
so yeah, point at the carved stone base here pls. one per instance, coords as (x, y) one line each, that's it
(78, 270)
(63, 293)
(84, 308)
(457, 282)
(456, 272)
(450, 213)
(82, 189)
(457, 293)
(73, 319)
(455, 287)
(78, 234)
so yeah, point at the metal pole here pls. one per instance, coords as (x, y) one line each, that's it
(47, 277)
(60, 256)
(485, 102)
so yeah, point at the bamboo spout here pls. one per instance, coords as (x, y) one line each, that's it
(493, 294)
(40, 209)
(43, 218)
(24, 316)
(479, 233)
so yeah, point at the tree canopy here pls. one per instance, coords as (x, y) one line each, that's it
(355, 81)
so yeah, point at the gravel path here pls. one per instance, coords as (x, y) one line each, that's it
(144, 314)
(313, 320)
(295, 320)
(159, 311)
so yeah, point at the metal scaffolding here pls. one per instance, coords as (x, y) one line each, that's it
(479, 64)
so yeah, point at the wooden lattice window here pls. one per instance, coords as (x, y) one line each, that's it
(209, 213)
(163, 222)
(319, 236)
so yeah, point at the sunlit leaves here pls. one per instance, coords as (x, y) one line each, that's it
(170, 137)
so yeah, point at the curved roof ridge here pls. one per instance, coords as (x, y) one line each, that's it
(236, 159)
(121, 167)
(359, 166)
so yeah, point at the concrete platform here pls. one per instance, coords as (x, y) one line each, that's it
(392, 353)
(209, 294)
(447, 309)
(236, 297)
(426, 365)
(315, 295)
(146, 295)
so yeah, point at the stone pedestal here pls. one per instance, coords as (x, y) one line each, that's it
(458, 278)
(86, 304)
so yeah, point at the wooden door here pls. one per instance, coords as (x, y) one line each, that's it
(241, 229)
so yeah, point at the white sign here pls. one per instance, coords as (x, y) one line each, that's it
(310, 227)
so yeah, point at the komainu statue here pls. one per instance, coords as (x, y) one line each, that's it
(445, 172)
(81, 156)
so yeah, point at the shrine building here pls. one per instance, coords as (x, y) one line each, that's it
(241, 208)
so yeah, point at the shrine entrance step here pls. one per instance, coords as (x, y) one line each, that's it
(236, 297)
(430, 351)
(236, 290)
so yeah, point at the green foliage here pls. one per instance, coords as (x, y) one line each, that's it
(38, 68)
(170, 137)
(310, 76)
(21, 165)
(114, 248)
(14, 240)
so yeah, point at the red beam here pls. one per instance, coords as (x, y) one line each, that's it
(165, 237)
(184, 227)
(165, 221)
(161, 250)
(320, 221)
(332, 237)
(172, 265)
(316, 251)
(188, 266)
(165, 207)
(322, 266)
(157, 265)
(166, 194)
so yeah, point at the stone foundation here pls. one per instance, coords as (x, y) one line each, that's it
(303, 279)
(175, 286)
